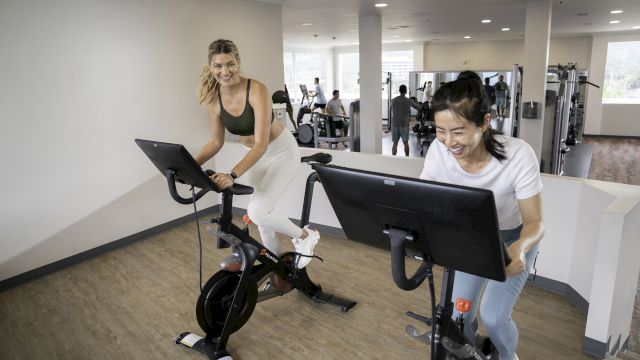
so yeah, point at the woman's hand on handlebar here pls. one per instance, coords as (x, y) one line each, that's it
(222, 180)
(518, 260)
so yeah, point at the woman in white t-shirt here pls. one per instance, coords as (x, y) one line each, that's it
(468, 152)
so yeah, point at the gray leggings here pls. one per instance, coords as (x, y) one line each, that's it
(498, 300)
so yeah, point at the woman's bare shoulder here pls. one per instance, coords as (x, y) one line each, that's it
(258, 92)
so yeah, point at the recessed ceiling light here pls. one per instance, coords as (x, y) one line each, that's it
(408, 40)
(614, 22)
(505, 29)
(468, 37)
(617, 11)
(381, 5)
(395, 36)
(636, 27)
(486, 21)
(306, 24)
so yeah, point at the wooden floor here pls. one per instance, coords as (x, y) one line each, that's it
(615, 159)
(132, 302)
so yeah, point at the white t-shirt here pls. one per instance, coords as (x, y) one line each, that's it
(320, 99)
(515, 178)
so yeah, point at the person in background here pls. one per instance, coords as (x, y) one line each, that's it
(469, 152)
(489, 90)
(428, 92)
(501, 95)
(335, 107)
(243, 107)
(321, 101)
(400, 115)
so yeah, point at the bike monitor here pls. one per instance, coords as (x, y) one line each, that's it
(456, 226)
(174, 157)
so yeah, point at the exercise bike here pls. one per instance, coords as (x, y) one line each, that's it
(228, 298)
(453, 226)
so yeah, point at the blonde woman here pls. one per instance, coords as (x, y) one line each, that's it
(243, 106)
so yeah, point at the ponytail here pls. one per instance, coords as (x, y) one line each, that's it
(207, 85)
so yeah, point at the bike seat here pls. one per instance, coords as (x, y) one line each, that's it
(322, 158)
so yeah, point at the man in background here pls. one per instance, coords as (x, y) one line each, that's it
(501, 95)
(400, 115)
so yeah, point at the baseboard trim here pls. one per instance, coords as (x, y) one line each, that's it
(595, 348)
(563, 289)
(97, 251)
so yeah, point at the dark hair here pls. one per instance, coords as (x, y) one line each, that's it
(465, 98)
(336, 92)
(468, 74)
(403, 89)
(487, 80)
(316, 79)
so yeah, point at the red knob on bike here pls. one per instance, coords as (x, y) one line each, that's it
(463, 305)
(246, 219)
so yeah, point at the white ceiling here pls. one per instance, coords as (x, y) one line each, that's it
(444, 20)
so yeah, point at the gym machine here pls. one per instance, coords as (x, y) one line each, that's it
(453, 226)
(228, 299)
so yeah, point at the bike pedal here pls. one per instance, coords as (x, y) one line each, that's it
(415, 333)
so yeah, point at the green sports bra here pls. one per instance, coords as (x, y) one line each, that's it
(243, 125)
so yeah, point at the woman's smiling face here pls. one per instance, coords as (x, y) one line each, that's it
(461, 136)
(225, 69)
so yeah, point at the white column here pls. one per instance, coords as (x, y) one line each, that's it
(536, 57)
(370, 36)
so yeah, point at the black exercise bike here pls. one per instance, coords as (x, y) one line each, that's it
(228, 298)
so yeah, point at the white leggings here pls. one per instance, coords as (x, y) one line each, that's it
(270, 177)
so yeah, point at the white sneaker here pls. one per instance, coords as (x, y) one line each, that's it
(304, 247)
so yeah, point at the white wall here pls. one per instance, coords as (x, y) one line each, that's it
(620, 120)
(80, 80)
(608, 119)
(501, 54)
(473, 55)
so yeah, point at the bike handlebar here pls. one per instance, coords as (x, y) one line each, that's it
(235, 189)
(398, 270)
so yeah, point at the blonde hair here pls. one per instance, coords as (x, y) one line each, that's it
(208, 83)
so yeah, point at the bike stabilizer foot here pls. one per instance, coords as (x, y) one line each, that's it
(199, 344)
(321, 297)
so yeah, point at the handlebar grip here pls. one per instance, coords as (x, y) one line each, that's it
(235, 189)
(398, 270)
(169, 174)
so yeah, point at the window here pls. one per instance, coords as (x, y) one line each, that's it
(348, 73)
(622, 73)
(398, 63)
(302, 68)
